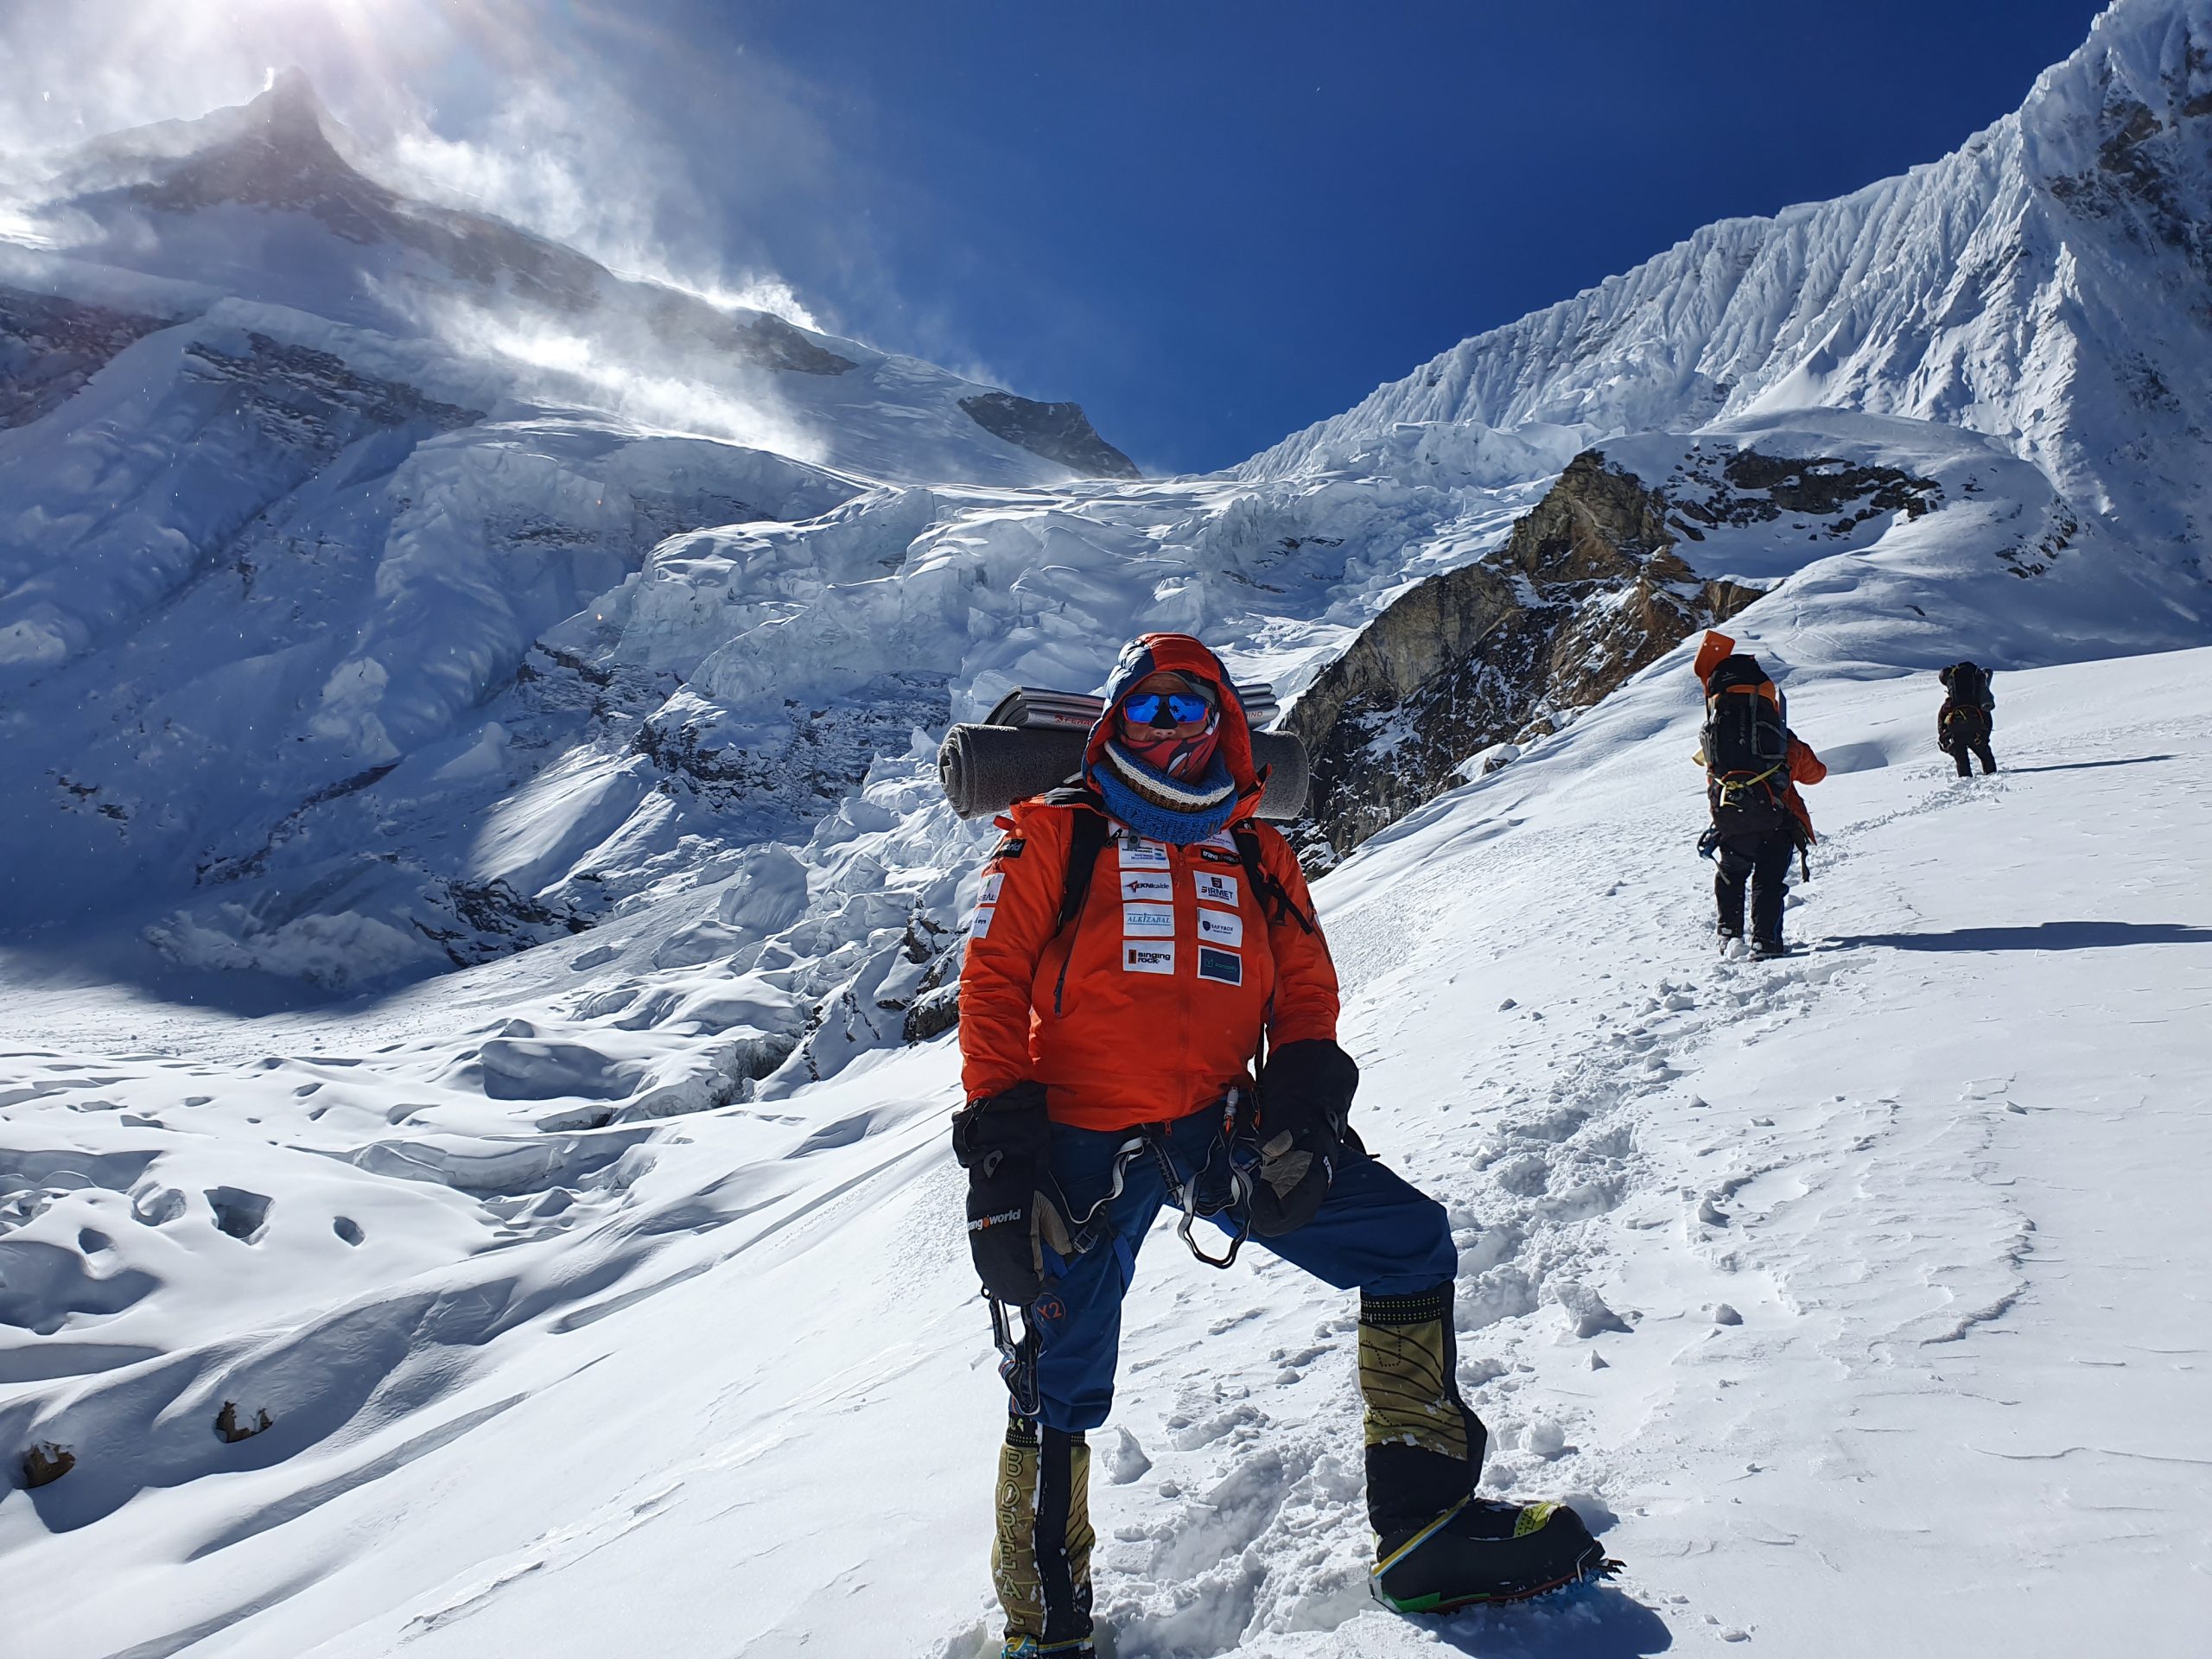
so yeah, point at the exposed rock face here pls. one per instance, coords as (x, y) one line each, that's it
(1586, 591)
(1059, 432)
(49, 348)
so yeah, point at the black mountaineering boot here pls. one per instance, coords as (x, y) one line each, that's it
(1438, 1546)
(1041, 1558)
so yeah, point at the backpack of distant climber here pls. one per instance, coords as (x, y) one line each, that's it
(1746, 743)
(1968, 685)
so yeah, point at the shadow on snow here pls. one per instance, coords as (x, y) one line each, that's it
(1592, 1623)
(2092, 765)
(2044, 935)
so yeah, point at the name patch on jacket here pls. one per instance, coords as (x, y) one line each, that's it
(1148, 921)
(1144, 855)
(1139, 957)
(1220, 926)
(1215, 888)
(1223, 965)
(1156, 886)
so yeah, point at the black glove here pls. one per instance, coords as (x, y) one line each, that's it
(1306, 1091)
(1014, 1210)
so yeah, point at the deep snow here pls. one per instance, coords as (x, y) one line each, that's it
(722, 1390)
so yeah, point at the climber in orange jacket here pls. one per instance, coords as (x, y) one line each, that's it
(1753, 765)
(1149, 1016)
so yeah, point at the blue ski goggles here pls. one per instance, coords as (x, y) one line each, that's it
(1182, 711)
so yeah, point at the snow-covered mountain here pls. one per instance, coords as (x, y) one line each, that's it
(2044, 285)
(397, 608)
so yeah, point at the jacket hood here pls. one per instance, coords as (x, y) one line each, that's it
(1179, 654)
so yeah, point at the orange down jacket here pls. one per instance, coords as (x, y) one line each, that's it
(1151, 1004)
(1805, 767)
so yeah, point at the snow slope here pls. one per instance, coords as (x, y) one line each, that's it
(718, 1389)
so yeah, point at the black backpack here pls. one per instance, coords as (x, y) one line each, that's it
(1746, 733)
(1968, 685)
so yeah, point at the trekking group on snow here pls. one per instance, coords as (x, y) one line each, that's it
(1753, 763)
(1149, 1017)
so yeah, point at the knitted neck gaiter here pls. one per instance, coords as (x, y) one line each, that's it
(1161, 807)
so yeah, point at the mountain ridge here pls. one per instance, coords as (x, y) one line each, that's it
(2036, 284)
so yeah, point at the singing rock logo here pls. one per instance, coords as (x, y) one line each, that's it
(1226, 966)
(1141, 958)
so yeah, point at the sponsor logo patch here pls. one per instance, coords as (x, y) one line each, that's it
(1155, 885)
(1143, 855)
(1148, 921)
(1138, 957)
(1213, 855)
(1220, 838)
(1010, 848)
(1215, 888)
(989, 892)
(1220, 926)
(1224, 965)
(980, 927)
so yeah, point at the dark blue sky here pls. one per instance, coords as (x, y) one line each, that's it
(1214, 221)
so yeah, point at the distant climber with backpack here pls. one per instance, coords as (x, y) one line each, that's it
(1148, 1017)
(1753, 764)
(1968, 716)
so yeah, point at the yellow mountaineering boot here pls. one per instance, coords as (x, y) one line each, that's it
(1438, 1545)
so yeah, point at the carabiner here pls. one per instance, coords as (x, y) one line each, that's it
(1017, 1360)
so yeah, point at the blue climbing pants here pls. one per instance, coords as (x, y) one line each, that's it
(1374, 1232)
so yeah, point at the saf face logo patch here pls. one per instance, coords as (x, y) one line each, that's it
(1220, 926)
(1148, 921)
(1139, 956)
(1226, 966)
(1156, 885)
(1215, 888)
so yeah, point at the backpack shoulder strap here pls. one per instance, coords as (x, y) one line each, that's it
(1086, 840)
(1272, 892)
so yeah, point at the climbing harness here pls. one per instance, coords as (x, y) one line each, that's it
(1234, 1145)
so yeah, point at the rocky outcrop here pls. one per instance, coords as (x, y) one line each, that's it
(50, 346)
(1059, 432)
(1586, 590)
